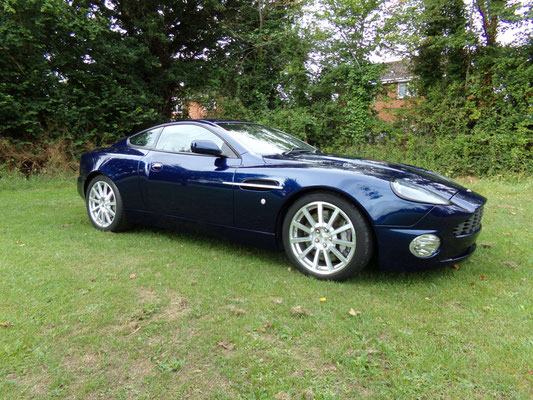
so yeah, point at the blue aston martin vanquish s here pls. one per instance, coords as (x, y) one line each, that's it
(331, 214)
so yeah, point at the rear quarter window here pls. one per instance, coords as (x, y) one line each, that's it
(145, 139)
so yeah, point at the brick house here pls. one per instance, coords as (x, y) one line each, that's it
(190, 109)
(396, 92)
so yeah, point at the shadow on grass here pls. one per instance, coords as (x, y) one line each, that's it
(271, 257)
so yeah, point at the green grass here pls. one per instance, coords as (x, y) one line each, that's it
(158, 314)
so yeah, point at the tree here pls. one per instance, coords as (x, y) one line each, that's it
(351, 35)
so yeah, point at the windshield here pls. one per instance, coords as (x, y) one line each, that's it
(263, 140)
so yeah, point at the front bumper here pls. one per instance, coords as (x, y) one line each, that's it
(443, 221)
(394, 254)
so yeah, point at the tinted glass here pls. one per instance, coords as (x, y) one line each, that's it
(145, 139)
(263, 140)
(178, 138)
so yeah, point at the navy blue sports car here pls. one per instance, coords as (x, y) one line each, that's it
(331, 214)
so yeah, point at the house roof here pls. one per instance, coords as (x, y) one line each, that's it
(396, 71)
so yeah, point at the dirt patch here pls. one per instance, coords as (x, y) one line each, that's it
(235, 310)
(177, 308)
(34, 383)
(147, 295)
(117, 370)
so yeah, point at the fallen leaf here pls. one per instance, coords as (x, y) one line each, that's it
(132, 276)
(136, 330)
(322, 299)
(354, 313)
(236, 310)
(507, 234)
(456, 266)
(513, 213)
(300, 311)
(5, 324)
(427, 298)
(227, 346)
(486, 245)
(482, 277)
(23, 244)
(510, 264)
(308, 394)
(263, 329)
(472, 283)
(282, 396)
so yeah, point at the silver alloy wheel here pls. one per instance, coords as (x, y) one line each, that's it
(102, 204)
(322, 237)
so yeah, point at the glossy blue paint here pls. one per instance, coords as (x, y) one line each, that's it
(188, 185)
(164, 188)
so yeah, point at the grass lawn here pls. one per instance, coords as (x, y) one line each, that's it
(158, 314)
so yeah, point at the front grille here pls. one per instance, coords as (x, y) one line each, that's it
(472, 224)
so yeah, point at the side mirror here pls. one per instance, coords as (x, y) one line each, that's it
(206, 147)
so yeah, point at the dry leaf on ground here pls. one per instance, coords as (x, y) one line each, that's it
(300, 311)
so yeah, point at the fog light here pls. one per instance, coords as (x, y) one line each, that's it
(424, 246)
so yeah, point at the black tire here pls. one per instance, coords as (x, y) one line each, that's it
(327, 248)
(102, 200)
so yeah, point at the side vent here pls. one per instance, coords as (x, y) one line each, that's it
(260, 185)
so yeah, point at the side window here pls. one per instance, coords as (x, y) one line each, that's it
(178, 138)
(145, 139)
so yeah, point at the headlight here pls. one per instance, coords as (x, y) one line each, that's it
(413, 192)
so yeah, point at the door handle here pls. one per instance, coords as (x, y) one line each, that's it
(156, 166)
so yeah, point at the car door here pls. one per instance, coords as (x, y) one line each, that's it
(179, 183)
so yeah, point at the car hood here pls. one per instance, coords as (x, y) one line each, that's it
(379, 169)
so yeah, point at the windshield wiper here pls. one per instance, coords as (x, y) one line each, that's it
(297, 150)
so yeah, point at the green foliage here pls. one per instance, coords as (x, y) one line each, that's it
(362, 87)
(475, 117)
(84, 73)
(61, 75)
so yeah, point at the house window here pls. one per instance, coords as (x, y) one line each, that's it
(404, 90)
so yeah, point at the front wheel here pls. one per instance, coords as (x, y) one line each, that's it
(326, 236)
(104, 205)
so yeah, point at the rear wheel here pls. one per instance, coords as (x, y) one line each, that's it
(104, 205)
(326, 236)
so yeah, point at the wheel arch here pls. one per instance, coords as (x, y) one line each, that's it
(89, 178)
(314, 189)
